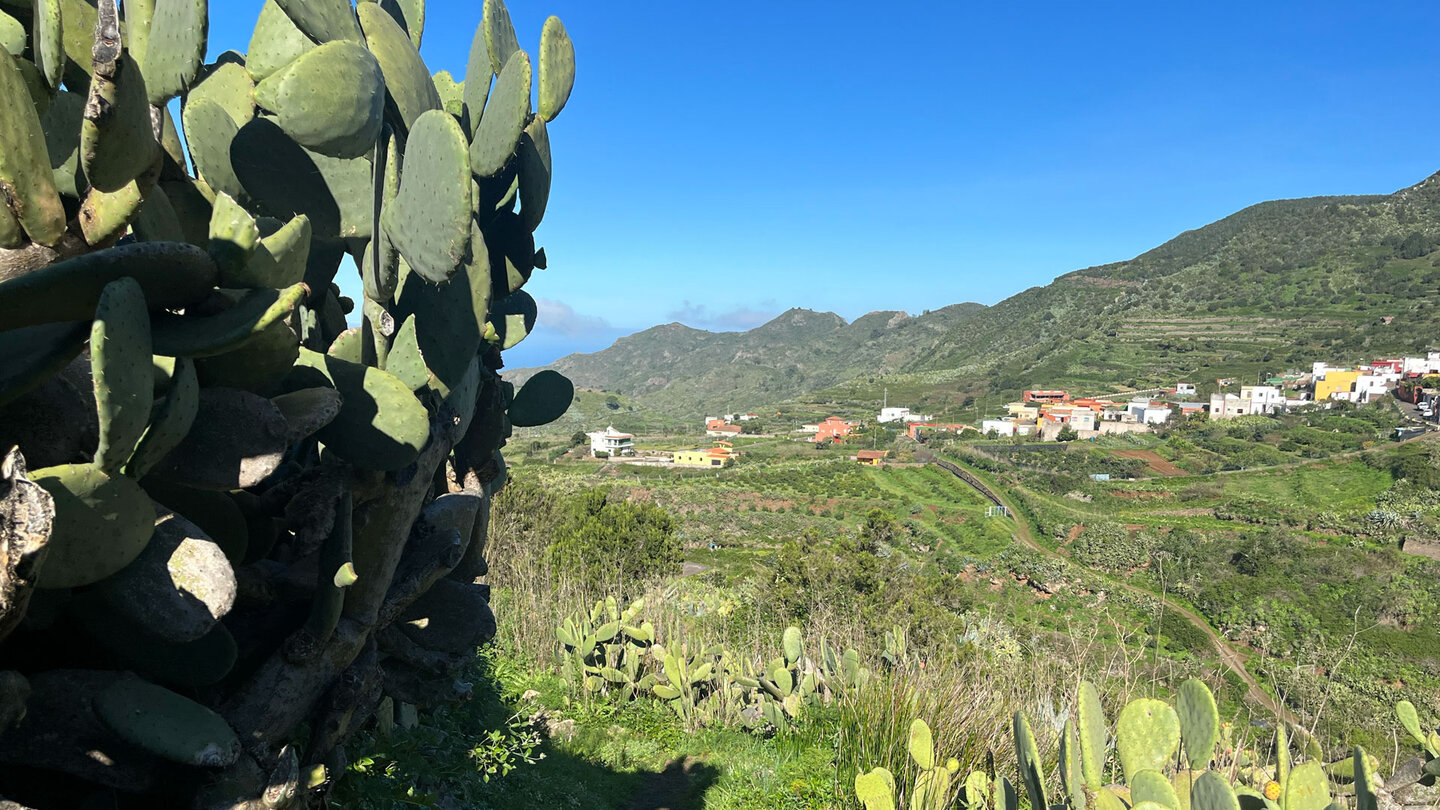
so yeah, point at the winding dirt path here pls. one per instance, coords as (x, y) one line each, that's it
(1229, 656)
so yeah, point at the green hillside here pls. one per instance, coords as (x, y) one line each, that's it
(683, 371)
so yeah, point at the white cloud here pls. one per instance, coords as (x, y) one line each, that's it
(737, 319)
(560, 317)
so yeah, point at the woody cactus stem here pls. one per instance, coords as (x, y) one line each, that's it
(225, 411)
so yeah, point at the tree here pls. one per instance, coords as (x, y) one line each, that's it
(1066, 434)
(612, 402)
(609, 543)
(578, 438)
(879, 529)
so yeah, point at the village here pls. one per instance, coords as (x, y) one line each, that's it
(1056, 415)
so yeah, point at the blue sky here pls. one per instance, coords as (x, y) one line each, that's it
(720, 163)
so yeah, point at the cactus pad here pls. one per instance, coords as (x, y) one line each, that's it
(500, 126)
(921, 745)
(1027, 757)
(1152, 786)
(24, 165)
(323, 20)
(1199, 722)
(101, 524)
(429, 221)
(230, 86)
(1410, 720)
(170, 422)
(557, 68)
(500, 41)
(1091, 731)
(512, 318)
(209, 132)
(168, 725)
(406, 77)
(1147, 735)
(876, 789)
(533, 173)
(276, 42)
(329, 100)
(120, 362)
(381, 426)
(236, 441)
(1308, 788)
(225, 331)
(117, 143)
(30, 356)
(174, 45)
(1212, 792)
(49, 44)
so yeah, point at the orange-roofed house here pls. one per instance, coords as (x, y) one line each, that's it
(833, 430)
(872, 458)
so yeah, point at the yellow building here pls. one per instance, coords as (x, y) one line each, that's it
(714, 457)
(1024, 412)
(1335, 382)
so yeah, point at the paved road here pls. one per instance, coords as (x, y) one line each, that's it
(1231, 657)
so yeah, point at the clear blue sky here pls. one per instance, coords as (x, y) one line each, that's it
(721, 162)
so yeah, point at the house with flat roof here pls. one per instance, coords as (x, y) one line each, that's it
(872, 458)
(612, 442)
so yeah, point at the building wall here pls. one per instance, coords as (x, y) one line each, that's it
(1335, 382)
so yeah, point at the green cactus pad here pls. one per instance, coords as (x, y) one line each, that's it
(1147, 735)
(499, 128)
(225, 331)
(120, 364)
(167, 40)
(233, 235)
(1072, 777)
(452, 97)
(478, 77)
(236, 441)
(170, 422)
(920, 744)
(210, 132)
(511, 247)
(288, 180)
(156, 220)
(381, 425)
(876, 789)
(405, 360)
(323, 20)
(557, 68)
(1153, 786)
(512, 318)
(406, 77)
(1027, 757)
(215, 513)
(278, 259)
(168, 725)
(533, 175)
(101, 524)
(24, 163)
(1282, 753)
(429, 222)
(1092, 733)
(449, 319)
(117, 143)
(1149, 805)
(275, 43)
(308, 410)
(259, 365)
(202, 662)
(230, 86)
(30, 356)
(12, 34)
(1199, 722)
(1410, 720)
(104, 215)
(330, 100)
(49, 40)
(1365, 780)
(500, 41)
(192, 208)
(1308, 788)
(409, 15)
(1212, 792)
(1006, 798)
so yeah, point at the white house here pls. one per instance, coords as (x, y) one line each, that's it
(1184, 389)
(612, 441)
(1228, 406)
(1003, 427)
(1147, 412)
(1429, 364)
(1264, 399)
(1371, 386)
(901, 415)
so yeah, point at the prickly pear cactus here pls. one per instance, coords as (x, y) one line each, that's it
(241, 509)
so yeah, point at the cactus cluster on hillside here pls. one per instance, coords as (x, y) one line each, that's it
(1178, 757)
(231, 522)
(611, 652)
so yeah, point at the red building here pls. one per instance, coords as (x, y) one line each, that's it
(833, 430)
(1051, 395)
